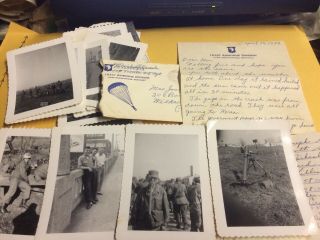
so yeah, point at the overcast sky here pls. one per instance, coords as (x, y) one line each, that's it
(238, 137)
(42, 67)
(77, 141)
(170, 154)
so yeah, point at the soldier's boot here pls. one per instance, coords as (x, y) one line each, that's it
(23, 203)
(3, 209)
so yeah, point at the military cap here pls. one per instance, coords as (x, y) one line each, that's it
(196, 179)
(153, 174)
(27, 155)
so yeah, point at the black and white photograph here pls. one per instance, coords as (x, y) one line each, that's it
(23, 172)
(255, 179)
(127, 51)
(96, 50)
(93, 67)
(110, 30)
(40, 79)
(86, 182)
(166, 193)
(90, 56)
(123, 52)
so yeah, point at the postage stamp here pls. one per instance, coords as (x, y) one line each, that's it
(166, 189)
(256, 187)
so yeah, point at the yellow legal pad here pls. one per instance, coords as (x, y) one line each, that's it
(163, 49)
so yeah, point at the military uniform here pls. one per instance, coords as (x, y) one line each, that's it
(181, 210)
(19, 179)
(194, 197)
(169, 190)
(151, 208)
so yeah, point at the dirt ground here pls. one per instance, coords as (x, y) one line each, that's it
(20, 220)
(258, 204)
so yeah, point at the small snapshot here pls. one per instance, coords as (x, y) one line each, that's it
(85, 183)
(255, 175)
(169, 190)
(41, 80)
(140, 91)
(23, 174)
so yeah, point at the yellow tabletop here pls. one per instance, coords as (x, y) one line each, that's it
(163, 49)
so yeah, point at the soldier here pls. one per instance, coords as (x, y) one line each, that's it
(181, 211)
(194, 197)
(18, 179)
(86, 163)
(143, 182)
(169, 190)
(151, 207)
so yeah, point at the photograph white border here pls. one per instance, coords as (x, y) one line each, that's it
(88, 110)
(63, 121)
(122, 231)
(103, 28)
(223, 230)
(23, 132)
(141, 57)
(11, 117)
(105, 56)
(82, 63)
(98, 36)
(52, 175)
(75, 109)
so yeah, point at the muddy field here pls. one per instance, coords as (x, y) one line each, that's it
(267, 200)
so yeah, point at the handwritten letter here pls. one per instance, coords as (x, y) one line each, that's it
(241, 81)
(307, 150)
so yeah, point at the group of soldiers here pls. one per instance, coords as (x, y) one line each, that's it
(92, 162)
(51, 89)
(153, 200)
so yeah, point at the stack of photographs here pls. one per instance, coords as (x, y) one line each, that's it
(62, 77)
(151, 182)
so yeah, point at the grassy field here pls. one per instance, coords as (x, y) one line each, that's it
(26, 102)
(258, 204)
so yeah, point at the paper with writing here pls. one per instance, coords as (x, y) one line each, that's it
(140, 91)
(307, 150)
(241, 81)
